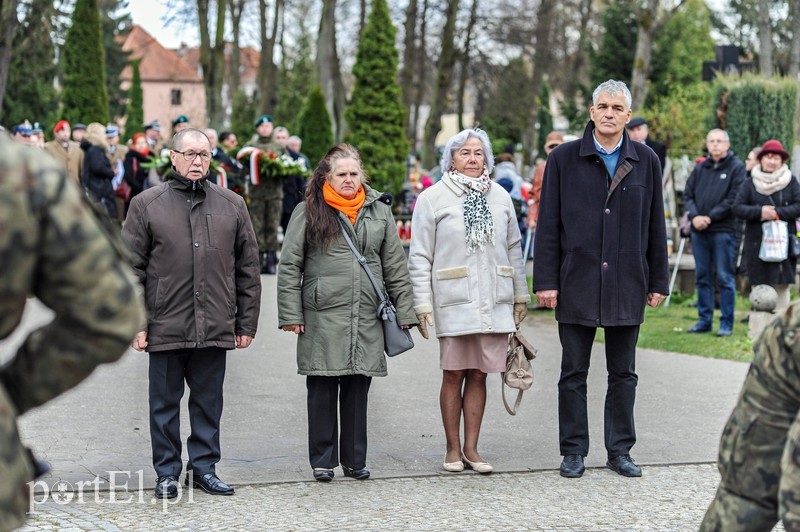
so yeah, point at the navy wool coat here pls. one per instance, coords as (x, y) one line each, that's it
(602, 246)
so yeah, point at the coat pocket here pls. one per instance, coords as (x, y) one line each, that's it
(452, 286)
(221, 230)
(504, 292)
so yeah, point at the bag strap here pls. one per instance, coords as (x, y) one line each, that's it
(512, 339)
(363, 262)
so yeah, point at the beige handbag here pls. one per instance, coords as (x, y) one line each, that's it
(518, 373)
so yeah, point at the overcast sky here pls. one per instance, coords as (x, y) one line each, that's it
(149, 14)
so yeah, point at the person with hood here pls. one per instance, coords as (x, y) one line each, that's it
(326, 298)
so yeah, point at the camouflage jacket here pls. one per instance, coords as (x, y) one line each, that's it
(273, 186)
(53, 248)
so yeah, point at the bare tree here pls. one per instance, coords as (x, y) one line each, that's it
(236, 9)
(541, 62)
(794, 53)
(650, 17)
(765, 38)
(267, 69)
(464, 75)
(422, 69)
(8, 29)
(441, 84)
(409, 61)
(329, 74)
(212, 59)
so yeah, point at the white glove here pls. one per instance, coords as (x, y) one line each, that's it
(520, 313)
(424, 319)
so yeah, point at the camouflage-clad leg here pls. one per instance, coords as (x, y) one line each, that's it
(274, 211)
(15, 469)
(789, 494)
(257, 207)
(265, 216)
(756, 433)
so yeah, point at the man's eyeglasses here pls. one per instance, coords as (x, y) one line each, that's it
(192, 155)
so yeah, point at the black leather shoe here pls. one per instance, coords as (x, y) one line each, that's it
(699, 328)
(167, 487)
(323, 475)
(624, 466)
(358, 474)
(211, 484)
(572, 466)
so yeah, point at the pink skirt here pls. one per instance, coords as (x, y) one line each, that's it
(486, 352)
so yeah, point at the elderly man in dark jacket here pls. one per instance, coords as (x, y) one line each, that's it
(600, 256)
(195, 252)
(709, 196)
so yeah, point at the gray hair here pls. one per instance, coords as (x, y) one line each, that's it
(613, 88)
(177, 139)
(724, 134)
(211, 133)
(457, 141)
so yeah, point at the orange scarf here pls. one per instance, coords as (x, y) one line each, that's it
(349, 207)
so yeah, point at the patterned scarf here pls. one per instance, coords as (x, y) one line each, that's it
(477, 216)
(768, 184)
(349, 207)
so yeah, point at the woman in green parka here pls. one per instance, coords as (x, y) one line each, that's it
(326, 298)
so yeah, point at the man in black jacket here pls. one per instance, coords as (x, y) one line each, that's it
(709, 197)
(637, 130)
(600, 255)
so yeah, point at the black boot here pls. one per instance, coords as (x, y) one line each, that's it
(272, 263)
(264, 262)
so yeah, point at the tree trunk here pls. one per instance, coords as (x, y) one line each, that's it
(8, 29)
(571, 89)
(267, 70)
(441, 84)
(362, 17)
(541, 61)
(421, 71)
(212, 60)
(409, 64)
(765, 39)
(237, 7)
(462, 82)
(794, 54)
(329, 74)
(648, 23)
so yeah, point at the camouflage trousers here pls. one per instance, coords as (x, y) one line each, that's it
(266, 207)
(759, 453)
(16, 469)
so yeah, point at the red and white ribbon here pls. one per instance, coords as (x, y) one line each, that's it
(254, 154)
(222, 177)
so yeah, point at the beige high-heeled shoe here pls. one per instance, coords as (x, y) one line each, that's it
(483, 468)
(453, 467)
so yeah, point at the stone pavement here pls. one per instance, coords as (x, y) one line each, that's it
(102, 427)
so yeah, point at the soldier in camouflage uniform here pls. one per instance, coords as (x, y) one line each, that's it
(759, 454)
(52, 247)
(266, 200)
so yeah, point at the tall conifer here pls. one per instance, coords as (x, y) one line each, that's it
(85, 97)
(376, 116)
(134, 115)
(315, 127)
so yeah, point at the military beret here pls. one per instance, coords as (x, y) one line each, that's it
(263, 118)
(636, 121)
(60, 125)
(182, 119)
(79, 126)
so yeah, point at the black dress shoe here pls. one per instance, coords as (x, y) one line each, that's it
(624, 466)
(572, 466)
(167, 487)
(323, 475)
(699, 328)
(358, 474)
(211, 484)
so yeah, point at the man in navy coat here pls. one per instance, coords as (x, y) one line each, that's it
(600, 256)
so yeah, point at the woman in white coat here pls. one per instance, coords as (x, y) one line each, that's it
(468, 277)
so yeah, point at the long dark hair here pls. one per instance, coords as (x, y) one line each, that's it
(322, 224)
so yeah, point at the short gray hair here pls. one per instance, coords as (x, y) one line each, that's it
(177, 140)
(613, 88)
(457, 141)
(724, 134)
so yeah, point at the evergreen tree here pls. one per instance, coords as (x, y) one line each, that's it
(85, 96)
(613, 58)
(315, 126)
(544, 119)
(376, 117)
(243, 116)
(507, 111)
(116, 24)
(31, 94)
(134, 115)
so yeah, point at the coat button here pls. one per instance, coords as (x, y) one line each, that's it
(605, 265)
(196, 245)
(197, 294)
(608, 211)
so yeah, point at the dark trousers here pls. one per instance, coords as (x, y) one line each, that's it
(576, 344)
(330, 439)
(204, 371)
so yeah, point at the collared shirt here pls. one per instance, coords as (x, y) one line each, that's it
(610, 158)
